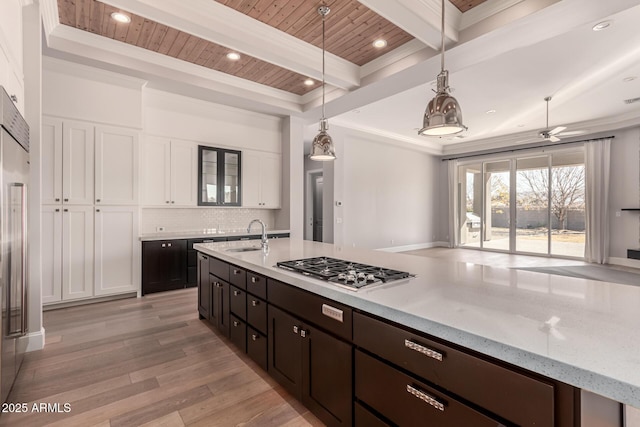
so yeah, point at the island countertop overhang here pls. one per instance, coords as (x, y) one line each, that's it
(581, 332)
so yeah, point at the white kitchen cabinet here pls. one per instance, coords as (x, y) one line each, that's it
(51, 272)
(78, 146)
(11, 46)
(170, 172)
(116, 163)
(117, 250)
(261, 179)
(51, 149)
(77, 252)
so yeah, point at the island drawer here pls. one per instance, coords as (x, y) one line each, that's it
(408, 402)
(363, 418)
(238, 333)
(257, 313)
(238, 277)
(219, 268)
(238, 302)
(257, 347)
(256, 284)
(329, 315)
(517, 397)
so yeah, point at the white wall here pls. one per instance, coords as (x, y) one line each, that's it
(86, 93)
(624, 192)
(389, 194)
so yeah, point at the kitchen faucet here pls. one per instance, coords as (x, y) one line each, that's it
(265, 243)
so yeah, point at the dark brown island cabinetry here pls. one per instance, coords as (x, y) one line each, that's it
(351, 368)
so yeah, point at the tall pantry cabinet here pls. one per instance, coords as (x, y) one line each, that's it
(89, 210)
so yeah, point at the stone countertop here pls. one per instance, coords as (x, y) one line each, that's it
(583, 332)
(208, 233)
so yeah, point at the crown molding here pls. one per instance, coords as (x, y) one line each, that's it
(484, 11)
(220, 24)
(50, 17)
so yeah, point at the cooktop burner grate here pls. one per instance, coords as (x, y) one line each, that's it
(353, 275)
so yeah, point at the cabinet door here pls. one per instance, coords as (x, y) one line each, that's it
(116, 162)
(271, 180)
(77, 252)
(51, 254)
(174, 264)
(184, 173)
(51, 158)
(78, 163)
(204, 290)
(157, 171)
(327, 385)
(285, 350)
(116, 250)
(251, 180)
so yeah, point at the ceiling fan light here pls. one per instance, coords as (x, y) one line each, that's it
(322, 148)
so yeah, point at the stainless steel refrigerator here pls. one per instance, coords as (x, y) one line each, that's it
(14, 176)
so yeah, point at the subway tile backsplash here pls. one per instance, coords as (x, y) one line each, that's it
(227, 219)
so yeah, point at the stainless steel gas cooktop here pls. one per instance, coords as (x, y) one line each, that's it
(352, 275)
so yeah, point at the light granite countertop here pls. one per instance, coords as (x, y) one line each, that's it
(583, 332)
(206, 233)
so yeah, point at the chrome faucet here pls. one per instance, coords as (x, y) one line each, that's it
(265, 242)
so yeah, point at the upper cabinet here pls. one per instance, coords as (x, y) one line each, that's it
(170, 172)
(83, 164)
(219, 177)
(11, 46)
(261, 179)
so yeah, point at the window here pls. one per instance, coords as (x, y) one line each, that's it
(526, 204)
(219, 172)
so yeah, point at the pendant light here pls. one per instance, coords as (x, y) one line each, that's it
(322, 148)
(443, 115)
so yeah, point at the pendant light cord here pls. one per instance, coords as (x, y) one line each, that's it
(323, 16)
(442, 55)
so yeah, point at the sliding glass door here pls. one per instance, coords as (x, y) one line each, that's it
(524, 204)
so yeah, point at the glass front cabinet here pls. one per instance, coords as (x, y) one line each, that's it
(219, 173)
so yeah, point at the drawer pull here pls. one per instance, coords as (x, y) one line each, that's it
(295, 330)
(254, 279)
(255, 303)
(254, 337)
(425, 397)
(236, 293)
(424, 350)
(236, 323)
(303, 333)
(236, 271)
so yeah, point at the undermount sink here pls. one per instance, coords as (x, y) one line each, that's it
(245, 249)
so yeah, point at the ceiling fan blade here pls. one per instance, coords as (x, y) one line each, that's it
(553, 138)
(557, 130)
(572, 133)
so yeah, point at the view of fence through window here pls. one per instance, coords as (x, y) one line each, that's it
(525, 205)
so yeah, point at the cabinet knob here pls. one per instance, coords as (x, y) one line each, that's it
(295, 329)
(164, 245)
(66, 200)
(236, 271)
(97, 210)
(57, 210)
(14, 99)
(254, 337)
(255, 303)
(169, 244)
(66, 210)
(172, 201)
(254, 279)
(167, 201)
(236, 293)
(236, 323)
(303, 333)
(58, 199)
(97, 200)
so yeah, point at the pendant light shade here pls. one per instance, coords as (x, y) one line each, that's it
(322, 148)
(443, 115)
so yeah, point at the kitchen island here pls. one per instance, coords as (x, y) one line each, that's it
(564, 333)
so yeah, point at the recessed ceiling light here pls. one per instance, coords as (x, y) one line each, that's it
(355, 111)
(121, 17)
(520, 126)
(233, 56)
(629, 79)
(309, 82)
(602, 25)
(380, 43)
(492, 111)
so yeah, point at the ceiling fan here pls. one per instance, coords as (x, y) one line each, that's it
(550, 134)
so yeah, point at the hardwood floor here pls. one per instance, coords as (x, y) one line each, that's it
(146, 362)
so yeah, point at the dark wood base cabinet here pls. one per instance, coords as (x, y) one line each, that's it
(164, 265)
(351, 368)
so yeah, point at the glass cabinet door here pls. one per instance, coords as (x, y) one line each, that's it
(219, 174)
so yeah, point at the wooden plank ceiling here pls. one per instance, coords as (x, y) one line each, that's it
(350, 30)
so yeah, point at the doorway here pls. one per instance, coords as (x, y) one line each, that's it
(316, 185)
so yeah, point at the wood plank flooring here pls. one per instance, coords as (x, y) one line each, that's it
(146, 362)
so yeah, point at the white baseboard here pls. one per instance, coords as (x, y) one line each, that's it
(626, 262)
(414, 247)
(36, 340)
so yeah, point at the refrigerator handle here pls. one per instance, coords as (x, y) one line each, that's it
(23, 270)
(25, 258)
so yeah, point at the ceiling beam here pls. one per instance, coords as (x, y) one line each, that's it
(220, 24)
